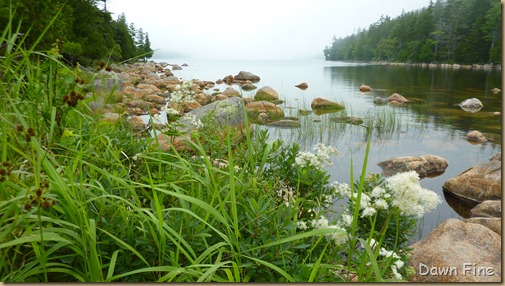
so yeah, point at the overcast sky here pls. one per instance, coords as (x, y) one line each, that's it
(259, 29)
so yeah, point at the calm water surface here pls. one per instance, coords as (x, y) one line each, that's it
(431, 124)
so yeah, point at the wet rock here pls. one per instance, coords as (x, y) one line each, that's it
(285, 123)
(176, 67)
(426, 165)
(247, 100)
(457, 248)
(266, 93)
(231, 92)
(495, 90)
(477, 184)
(243, 76)
(228, 79)
(302, 86)
(248, 87)
(151, 88)
(220, 81)
(365, 88)
(347, 119)
(471, 105)
(487, 209)
(255, 108)
(475, 136)
(185, 106)
(305, 112)
(321, 104)
(380, 100)
(397, 97)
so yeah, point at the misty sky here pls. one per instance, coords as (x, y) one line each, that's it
(259, 29)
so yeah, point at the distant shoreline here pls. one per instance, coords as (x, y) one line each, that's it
(432, 65)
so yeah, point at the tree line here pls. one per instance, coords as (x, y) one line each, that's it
(447, 31)
(83, 31)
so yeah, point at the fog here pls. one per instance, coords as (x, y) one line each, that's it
(260, 29)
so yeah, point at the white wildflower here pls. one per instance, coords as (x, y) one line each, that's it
(341, 189)
(378, 192)
(172, 112)
(136, 156)
(307, 158)
(409, 196)
(399, 264)
(320, 223)
(364, 201)
(328, 199)
(395, 272)
(346, 220)
(338, 237)
(380, 204)
(301, 225)
(368, 211)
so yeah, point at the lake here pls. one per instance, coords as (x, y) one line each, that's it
(431, 124)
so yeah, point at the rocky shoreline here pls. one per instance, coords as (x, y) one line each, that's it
(148, 95)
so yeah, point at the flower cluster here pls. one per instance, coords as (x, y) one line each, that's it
(409, 196)
(183, 93)
(5, 170)
(316, 160)
(402, 191)
(338, 237)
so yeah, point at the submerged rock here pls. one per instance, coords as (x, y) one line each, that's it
(254, 109)
(380, 100)
(471, 105)
(475, 136)
(365, 88)
(398, 98)
(457, 251)
(347, 119)
(320, 104)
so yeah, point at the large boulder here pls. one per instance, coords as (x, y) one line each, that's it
(244, 76)
(321, 105)
(477, 184)
(471, 105)
(228, 112)
(425, 165)
(266, 93)
(457, 252)
(254, 109)
(224, 113)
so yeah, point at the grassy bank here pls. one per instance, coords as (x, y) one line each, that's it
(90, 201)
